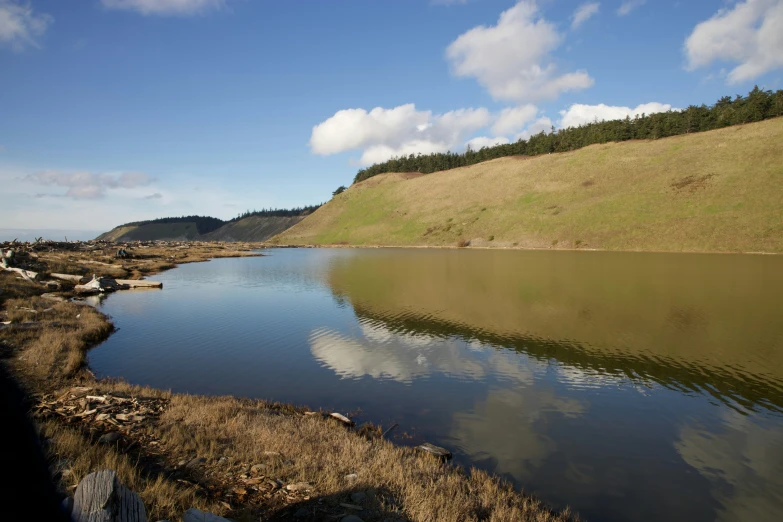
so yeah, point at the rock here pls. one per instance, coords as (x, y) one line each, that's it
(352, 476)
(299, 486)
(351, 518)
(110, 438)
(194, 463)
(358, 497)
(257, 468)
(67, 505)
(196, 515)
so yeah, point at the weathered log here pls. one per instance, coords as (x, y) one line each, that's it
(68, 277)
(28, 275)
(100, 497)
(342, 418)
(140, 283)
(434, 451)
(196, 515)
(99, 285)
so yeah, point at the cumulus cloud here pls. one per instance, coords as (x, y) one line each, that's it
(88, 185)
(383, 133)
(542, 124)
(165, 7)
(750, 34)
(512, 119)
(583, 13)
(628, 6)
(20, 26)
(579, 114)
(512, 59)
(483, 141)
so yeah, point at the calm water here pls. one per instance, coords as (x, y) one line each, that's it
(628, 386)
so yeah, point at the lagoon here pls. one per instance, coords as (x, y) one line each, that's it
(630, 386)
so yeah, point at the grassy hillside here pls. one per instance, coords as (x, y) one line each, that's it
(253, 228)
(152, 231)
(714, 191)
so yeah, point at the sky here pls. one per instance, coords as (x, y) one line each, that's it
(121, 110)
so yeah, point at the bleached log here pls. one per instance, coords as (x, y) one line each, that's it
(67, 277)
(100, 497)
(342, 418)
(28, 275)
(434, 451)
(140, 283)
(99, 285)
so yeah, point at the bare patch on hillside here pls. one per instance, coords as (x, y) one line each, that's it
(691, 183)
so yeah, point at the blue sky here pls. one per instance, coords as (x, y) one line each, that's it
(115, 110)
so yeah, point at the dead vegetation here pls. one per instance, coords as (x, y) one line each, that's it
(245, 459)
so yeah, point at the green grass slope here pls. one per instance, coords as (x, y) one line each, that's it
(714, 191)
(152, 232)
(253, 228)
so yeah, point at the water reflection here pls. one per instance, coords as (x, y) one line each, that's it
(630, 387)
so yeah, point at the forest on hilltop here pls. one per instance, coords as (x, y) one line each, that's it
(758, 105)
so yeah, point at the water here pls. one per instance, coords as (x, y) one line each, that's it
(628, 386)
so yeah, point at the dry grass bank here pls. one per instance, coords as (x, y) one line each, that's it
(715, 191)
(245, 459)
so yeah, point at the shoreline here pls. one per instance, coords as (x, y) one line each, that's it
(228, 455)
(519, 248)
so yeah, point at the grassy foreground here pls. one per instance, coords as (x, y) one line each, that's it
(245, 459)
(715, 191)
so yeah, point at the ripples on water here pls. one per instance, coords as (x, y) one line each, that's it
(628, 386)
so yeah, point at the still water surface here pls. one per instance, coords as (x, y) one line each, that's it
(628, 386)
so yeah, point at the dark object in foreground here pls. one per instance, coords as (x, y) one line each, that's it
(30, 493)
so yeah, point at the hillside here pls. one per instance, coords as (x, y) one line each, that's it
(253, 228)
(185, 231)
(712, 191)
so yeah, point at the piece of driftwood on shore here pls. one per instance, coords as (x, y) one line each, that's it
(100, 285)
(100, 497)
(68, 277)
(27, 275)
(140, 283)
(434, 451)
(342, 418)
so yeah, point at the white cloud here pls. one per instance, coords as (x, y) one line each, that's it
(583, 13)
(512, 119)
(20, 26)
(383, 133)
(512, 59)
(579, 114)
(750, 34)
(542, 124)
(165, 7)
(628, 6)
(483, 141)
(87, 185)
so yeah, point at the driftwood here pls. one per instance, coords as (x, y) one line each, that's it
(100, 497)
(434, 451)
(140, 283)
(68, 277)
(28, 275)
(342, 418)
(100, 285)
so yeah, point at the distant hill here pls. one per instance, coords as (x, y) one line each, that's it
(718, 190)
(252, 226)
